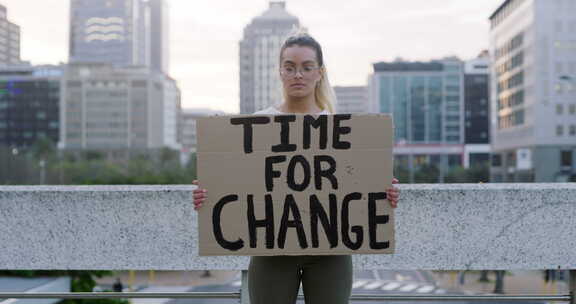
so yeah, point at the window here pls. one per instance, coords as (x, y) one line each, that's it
(559, 109)
(566, 158)
(496, 160)
(572, 109)
(559, 130)
(572, 130)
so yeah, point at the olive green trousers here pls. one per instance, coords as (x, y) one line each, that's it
(276, 279)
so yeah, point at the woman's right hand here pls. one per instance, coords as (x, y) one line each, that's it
(199, 195)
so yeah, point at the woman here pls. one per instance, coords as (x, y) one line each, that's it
(325, 279)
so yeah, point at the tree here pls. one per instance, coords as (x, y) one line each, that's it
(499, 284)
(428, 173)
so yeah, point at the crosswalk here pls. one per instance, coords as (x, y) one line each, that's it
(396, 287)
(373, 285)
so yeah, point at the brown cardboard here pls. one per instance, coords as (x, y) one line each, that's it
(224, 168)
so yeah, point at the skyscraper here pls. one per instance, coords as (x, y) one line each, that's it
(533, 90)
(120, 32)
(159, 35)
(109, 31)
(9, 39)
(259, 52)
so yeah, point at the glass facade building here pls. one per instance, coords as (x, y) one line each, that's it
(424, 98)
(426, 101)
(29, 105)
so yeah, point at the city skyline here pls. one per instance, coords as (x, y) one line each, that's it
(204, 60)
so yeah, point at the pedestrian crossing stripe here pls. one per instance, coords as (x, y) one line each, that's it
(391, 286)
(384, 285)
(373, 285)
(425, 289)
(408, 287)
(399, 286)
(359, 283)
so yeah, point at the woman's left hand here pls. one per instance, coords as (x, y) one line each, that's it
(393, 194)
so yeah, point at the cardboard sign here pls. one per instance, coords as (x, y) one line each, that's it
(295, 184)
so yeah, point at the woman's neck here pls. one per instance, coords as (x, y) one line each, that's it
(304, 105)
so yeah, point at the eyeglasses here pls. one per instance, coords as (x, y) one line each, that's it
(290, 71)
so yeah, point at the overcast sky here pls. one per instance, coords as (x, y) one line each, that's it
(354, 34)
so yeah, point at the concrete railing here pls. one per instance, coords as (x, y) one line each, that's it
(447, 227)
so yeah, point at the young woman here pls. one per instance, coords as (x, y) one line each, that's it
(325, 279)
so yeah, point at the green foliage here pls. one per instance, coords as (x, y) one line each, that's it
(428, 173)
(478, 174)
(402, 174)
(81, 281)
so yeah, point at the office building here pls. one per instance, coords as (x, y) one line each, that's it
(9, 39)
(477, 111)
(120, 32)
(189, 117)
(110, 108)
(260, 85)
(29, 104)
(352, 99)
(426, 101)
(533, 91)
(159, 35)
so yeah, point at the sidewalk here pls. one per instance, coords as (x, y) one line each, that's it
(515, 282)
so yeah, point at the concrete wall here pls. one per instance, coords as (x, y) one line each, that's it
(474, 226)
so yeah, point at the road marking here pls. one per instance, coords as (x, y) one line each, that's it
(391, 286)
(408, 287)
(373, 285)
(159, 289)
(359, 283)
(400, 277)
(236, 283)
(425, 289)
(440, 291)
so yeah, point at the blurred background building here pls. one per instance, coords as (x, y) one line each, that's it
(260, 85)
(189, 117)
(112, 31)
(426, 100)
(477, 111)
(104, 107)
(533, 89)
(352, 99)
(9, 39)
(29, 104)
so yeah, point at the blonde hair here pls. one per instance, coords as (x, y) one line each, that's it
(323, 92)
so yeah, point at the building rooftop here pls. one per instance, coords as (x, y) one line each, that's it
(408, 66)
(276, 11)
(500, 8)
